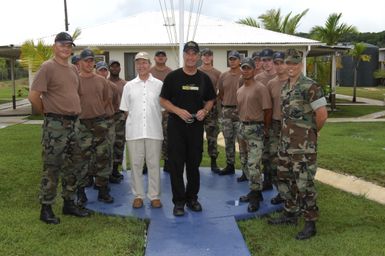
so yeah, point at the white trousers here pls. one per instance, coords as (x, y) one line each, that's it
(150, 150)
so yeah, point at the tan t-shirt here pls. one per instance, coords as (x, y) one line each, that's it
(214, 75)
(228, 84)
(264, 78)
(59, 85)
(275, 86)
(252, 100)
(95, 96)
(113, 92)
(160, 74)
(120, 85)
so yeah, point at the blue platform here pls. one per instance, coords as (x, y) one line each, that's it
(213, 231)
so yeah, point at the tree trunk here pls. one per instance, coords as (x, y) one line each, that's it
(355, 85)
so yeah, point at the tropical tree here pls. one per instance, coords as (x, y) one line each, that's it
(249, 21)
(358, 56)
(272, 20)
(332, 32)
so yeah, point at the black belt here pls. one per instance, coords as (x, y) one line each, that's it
(251, 122)
(66, 117)
(95, 119)
(229, 106)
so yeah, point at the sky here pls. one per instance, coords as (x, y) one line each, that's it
(30, 19)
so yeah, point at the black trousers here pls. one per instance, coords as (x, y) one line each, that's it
(185, 147)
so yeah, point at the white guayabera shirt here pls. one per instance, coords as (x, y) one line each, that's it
(141, 100)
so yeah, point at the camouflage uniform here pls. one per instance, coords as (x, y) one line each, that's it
(298, 147)
(231, 128)
(120, 137)
(59, 153)
(212, 131)
(273, 144)
(253, 135)
(94, 140)
(164, 127)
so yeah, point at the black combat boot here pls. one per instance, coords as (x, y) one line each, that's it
(89, 181)
(267, 181)
(47, 215)
(214, 166)
(287, 218)
(166, 167)
(245, 198)
(104, 195)
(228, 170)
(254, 198)
(82, 197)
(145, 170)
(308, 231)
(69, 208)
(277, 199)
(116, 177)
(242, 178)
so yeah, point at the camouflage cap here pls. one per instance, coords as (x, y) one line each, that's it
(293, 56)
(248, 62)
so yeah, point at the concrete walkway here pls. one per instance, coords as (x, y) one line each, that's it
(347, 183)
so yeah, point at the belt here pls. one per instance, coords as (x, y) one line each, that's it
(95, 119)
(229, 106)
(251, 122)
(66, 117)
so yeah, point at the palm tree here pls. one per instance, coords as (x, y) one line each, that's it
(249, 21)
(332, 32)
(272, 20)
(358, 56)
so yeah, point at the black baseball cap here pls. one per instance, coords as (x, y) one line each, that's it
(266, 54)
(279, 56)
(87, 54)
(207, 51)
(75, 59)
(159, 52)
(65, 38)
(256, 55)
(234, 54)
(113, 62)
(191, 45)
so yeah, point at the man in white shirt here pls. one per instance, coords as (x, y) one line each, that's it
(140, 101)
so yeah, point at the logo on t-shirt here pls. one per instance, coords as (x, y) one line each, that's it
(190, 87)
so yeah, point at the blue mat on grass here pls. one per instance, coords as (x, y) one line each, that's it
(213, 231)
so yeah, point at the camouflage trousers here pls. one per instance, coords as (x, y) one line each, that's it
(95, 145)
(272, 145)
(230, 127)
(119, 138)
(212, 131)
(296, 174)
(60, 158)
(253, 135)
(165, 140)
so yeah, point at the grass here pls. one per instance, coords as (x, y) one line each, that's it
(349, 225)
(375, 93)
(354, 148)
(354, 111)
(6, 90)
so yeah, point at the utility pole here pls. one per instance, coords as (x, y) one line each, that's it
(65, 15)
(181, 31)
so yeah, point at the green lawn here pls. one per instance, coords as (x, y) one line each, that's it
(6, 90)
(354, 148)
(354, 111)
(376, 93)
(348, 225)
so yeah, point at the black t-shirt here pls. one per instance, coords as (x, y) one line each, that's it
(186, 91)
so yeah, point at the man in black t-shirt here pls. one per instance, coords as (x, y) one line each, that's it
(188, 95)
